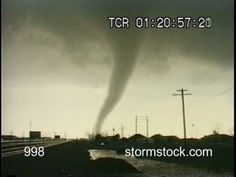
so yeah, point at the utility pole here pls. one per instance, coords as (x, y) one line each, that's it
(193, 130)
(65, 135)
(122, 131)
(141, 118)
(182, 94)
(30, 125)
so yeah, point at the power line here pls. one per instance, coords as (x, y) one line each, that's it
(224, 91)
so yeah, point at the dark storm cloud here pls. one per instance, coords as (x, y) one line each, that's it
(79, 22)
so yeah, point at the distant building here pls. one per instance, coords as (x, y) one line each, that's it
(9, 137)
(57, 137)
(35, 134)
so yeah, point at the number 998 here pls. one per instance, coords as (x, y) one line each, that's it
(34, 151)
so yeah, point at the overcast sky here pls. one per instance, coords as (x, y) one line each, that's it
(62, 64)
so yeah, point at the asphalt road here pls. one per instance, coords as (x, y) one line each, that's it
(70, 159)
(13, 148)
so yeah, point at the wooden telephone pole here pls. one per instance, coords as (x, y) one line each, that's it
(182, 94)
